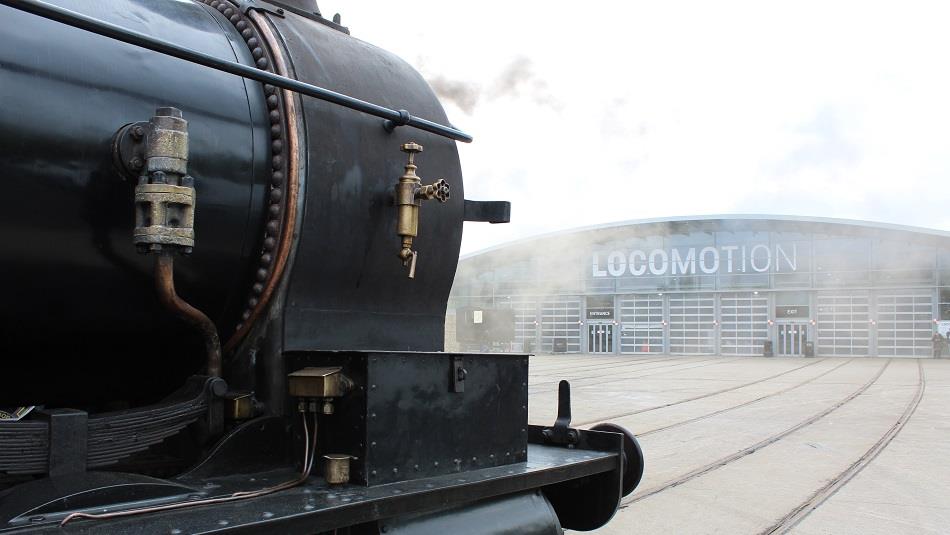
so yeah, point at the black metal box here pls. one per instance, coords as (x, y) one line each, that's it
(414, 415)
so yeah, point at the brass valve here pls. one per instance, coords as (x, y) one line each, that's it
(409, 194)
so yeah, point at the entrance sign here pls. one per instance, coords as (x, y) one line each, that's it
(600, 313)
(724, 259)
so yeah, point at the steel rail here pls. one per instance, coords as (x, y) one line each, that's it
(772, 439)
(393, 118)
(741, 405)
(696, 397)
(820, 496)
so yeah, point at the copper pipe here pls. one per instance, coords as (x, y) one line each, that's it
(282, 250)
(165, 284)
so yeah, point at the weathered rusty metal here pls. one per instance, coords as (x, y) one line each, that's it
(165, 195)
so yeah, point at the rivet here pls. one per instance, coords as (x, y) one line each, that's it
(273, 210)
(269, 244)
(257, 52)
(395, 470)
(274, 117)
(252, 42)
(258, 288)
(261, 275)
(277, 162)
(247, 33)
(235, 18)
(241, 25)
(275, 131)
(262, 63)
(228, 12)
(266, 259)
(221, 7)
(252, 302)
(276, 194)
(373, 473)
(269, 89)
(277, 178)
(273, 227)
(223, 522)
(277, 146)
(246, 315)
(273, 101)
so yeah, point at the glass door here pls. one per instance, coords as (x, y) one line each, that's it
(791, 339)
(600, 337)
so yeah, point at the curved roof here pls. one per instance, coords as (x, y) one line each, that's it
(735, 222)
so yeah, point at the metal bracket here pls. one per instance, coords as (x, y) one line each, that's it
(247, 6)
(487, 211)
(458, 374)
(68, 440)
(562, 433)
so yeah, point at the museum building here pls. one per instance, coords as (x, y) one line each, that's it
(730, 285)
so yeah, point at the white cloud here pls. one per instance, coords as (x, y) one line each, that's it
(647, 109)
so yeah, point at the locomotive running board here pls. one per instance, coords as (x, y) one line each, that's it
(582, 483)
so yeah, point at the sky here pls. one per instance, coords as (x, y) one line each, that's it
(588, 113)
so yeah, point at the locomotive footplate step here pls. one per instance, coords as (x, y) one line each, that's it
(316, 507)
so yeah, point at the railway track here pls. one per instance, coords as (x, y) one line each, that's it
(551, 386)
(695, 398)
(598, 365)
(599, 372)
(820, 496)
(745, 403)
(729, 459)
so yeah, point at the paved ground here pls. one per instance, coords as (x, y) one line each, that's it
(756, 445)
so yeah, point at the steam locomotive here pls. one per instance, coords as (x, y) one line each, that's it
(227, 252)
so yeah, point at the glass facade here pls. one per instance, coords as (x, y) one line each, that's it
(721, 286)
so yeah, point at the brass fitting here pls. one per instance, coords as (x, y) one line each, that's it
(165, 194)
(409, 194)
(311, 384)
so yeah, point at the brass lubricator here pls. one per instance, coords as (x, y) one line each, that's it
(410, 193)
(165, 194)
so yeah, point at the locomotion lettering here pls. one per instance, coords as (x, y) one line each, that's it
(758, 258)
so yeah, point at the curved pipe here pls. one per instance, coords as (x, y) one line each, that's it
(165, 284)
